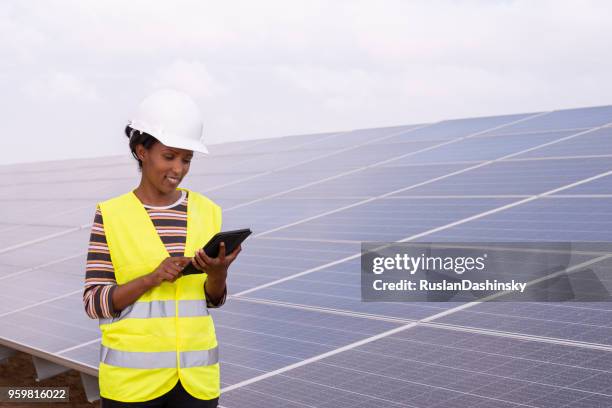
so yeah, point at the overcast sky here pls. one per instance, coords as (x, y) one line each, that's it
(71, 72)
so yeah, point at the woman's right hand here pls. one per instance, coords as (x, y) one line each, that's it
(168, 270)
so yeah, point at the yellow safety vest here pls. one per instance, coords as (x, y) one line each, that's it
(167, 334)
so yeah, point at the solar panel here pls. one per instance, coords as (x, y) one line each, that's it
(389, 219)
(294, 331)
(562, 119)
(595, 143)
(461, 128)
(516, 177)
(431, 367)
(563, 218)
(483, 148)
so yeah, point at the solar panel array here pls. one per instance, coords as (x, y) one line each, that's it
(294, 332)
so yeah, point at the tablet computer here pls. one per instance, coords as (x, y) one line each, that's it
(231, 239)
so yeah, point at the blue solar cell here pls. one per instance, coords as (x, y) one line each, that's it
(375, 181)
(594, 401)
(272, 319)
(76, 190)
(274, 213)
(352, 138)
(553, 320)
(70, 165)
(87, 355)
(261, 162)
(451, 129)
(27, 287)
(291, 250)
(547, 219)
(7, 270)
(13, 235)
(50, 326)
(367, 155)
(563, 119)
(262, 261)
(246, 397)
(9, 304)
(481, 148)
(267, 337)
(514, 177)
(390, 219)
(593, 143)
(234, 373)
(41, 280)
(267, 184)
(286, 143)
(235, 147)
(225, 203)
(407, 311)
(209, 184)
(39, 253)
(69, 266)
(602, 185)
(17, 211)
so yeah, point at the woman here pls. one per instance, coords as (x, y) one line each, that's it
(158, 340)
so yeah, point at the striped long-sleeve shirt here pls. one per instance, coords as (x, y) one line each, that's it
(171, 225)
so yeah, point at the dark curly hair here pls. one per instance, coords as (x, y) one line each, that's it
(137, 137)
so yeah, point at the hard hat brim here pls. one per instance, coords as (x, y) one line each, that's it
(196, 146)
(170, 140)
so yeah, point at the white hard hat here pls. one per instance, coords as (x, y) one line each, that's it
(173, 118)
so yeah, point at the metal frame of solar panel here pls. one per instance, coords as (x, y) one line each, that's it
(294, 332)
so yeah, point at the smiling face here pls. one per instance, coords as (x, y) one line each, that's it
(164, 167)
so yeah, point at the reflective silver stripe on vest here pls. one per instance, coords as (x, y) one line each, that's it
(160, 308)
(163, 359)
(199, 358)
(132, 359)
(192, 308)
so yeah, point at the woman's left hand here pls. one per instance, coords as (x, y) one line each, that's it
(216, 268)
